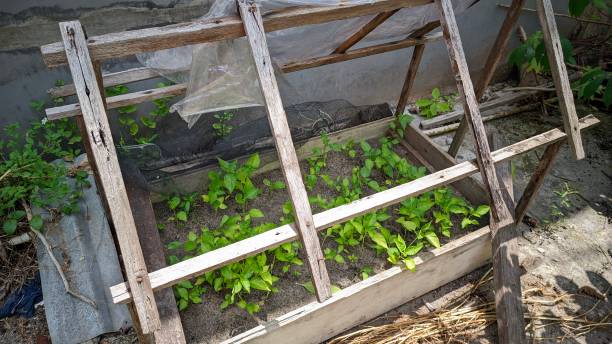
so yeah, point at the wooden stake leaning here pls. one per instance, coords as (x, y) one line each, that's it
(559, 75)
(253, 26)
(363, 31)
(103, 152)
(499, 209)
(492, 60)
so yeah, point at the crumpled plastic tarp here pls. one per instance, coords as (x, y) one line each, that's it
(221, 75)
(22, 301)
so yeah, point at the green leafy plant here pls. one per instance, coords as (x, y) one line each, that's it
(27, 177)
(577, 7)
(436, 105)
(181, 206)
(400, 123)
(595, 82)
(532, 54)
(233, 180)
(221, 126)
(274, 185)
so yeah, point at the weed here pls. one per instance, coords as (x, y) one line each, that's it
(437, 104)
(221, 126)
(532, 54)
(233, 180)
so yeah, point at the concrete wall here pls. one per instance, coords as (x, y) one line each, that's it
(27, 24)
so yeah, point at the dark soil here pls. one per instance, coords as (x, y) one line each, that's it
(206, 322)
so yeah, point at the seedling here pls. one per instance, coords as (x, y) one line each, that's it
(221, 126)
(437, 104)
(233, 180)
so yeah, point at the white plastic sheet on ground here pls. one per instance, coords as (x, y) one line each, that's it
(221, 75)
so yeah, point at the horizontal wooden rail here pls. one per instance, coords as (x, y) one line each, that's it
(71, 110)
(116, 45)
(210, 261)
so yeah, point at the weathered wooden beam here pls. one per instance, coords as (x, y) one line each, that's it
(536, 181)
(104, 154)
(493, 59)
(210, 261)
(364, 31)
(317, 322)
(171, 331)
(552, 42)
(133, 98)
(116, 45)
(415, 62)
(506, 268)
(110, 79)
(358, 53)
(454, 46)
(253, 26)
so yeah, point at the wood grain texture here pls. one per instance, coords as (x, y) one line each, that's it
(115, 45)
(317, 322)
(469, 188)
(253, 26)
(133, 98)
(210, 261)
(536, 181)
(503, 99)
(363, 31)
(115, 102)
(110, 79)
(495, 55)
(506, 268)
(554, 51)
(104, 154)
(171, 330)
(470, 104)
(415, 62)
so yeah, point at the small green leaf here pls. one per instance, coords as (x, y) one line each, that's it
(259, 284)
(481, 210)
(256, 213)
(253, 161)
(10, 226)
(309, 287)
(181, 216)
(36, 223)
(409, 263)
(432, 238)
(378, 238)
(229, 181)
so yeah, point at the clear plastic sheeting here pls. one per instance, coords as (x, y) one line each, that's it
(221, 75)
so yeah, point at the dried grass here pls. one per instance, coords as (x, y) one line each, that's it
(467, 317)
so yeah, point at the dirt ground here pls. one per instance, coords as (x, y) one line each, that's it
(568, 248)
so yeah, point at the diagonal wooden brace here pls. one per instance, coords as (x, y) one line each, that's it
(495, 55)
(499, 209)
(105, 158)
(552, 42)
(253, 26)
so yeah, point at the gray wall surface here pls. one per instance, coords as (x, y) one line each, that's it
(27, 24)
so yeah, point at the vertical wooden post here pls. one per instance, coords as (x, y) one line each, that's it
(493, 59)
(537, 179)
(506, 269)
(103, 152)
(560, 78)
(415, 62)
(253, 26)
(452, 38)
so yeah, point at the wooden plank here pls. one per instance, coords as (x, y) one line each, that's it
(171, 331)
(115, 102)
(470, 104)
(317, 322)
(536, 181)
(358, 53)
(116, 45)
(103, 152)
(210, 261)
(469, 188)
(506, 269)
(133, 98)
(253, 26)
(552, 42)
(363, 31)
(503, 99)
(493, 59)
(415, 62)
(110, 79)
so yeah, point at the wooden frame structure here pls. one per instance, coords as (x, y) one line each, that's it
(318, 321)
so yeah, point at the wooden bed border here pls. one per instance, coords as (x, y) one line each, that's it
(78, 52)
